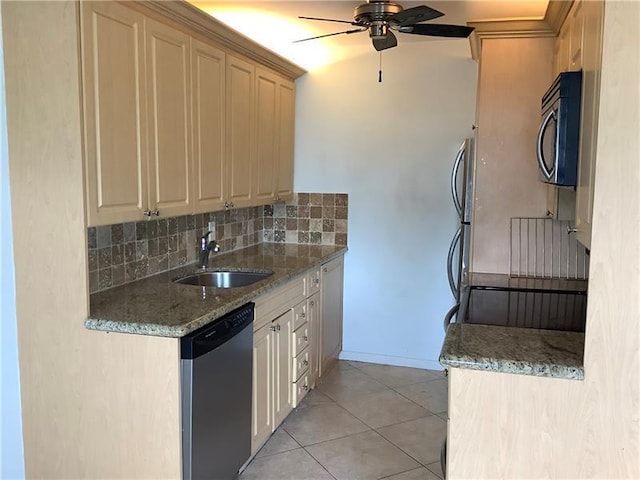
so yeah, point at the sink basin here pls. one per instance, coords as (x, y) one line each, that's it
(223, 278)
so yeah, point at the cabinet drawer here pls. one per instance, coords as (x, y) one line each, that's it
(300, 364)
(299, 315)
(312, 282)
(300, 339)
(300, 389)
(274, 303)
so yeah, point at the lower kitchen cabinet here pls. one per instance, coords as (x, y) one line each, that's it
(313, 313)
(291, 347)
(271, 376)
(331, 279)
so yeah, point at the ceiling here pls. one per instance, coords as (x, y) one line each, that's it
(276, 25)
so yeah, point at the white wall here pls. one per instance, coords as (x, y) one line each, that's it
(12, 457)
(390, 146)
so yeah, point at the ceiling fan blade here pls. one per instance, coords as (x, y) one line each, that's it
(383, 43)
(332, 34)
(414, 15)
(329, 20)
(438, 30)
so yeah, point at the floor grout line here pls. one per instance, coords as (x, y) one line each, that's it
(332, 401)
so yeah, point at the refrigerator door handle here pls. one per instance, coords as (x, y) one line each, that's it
(449, 316)
(450, 257)
(457, 202)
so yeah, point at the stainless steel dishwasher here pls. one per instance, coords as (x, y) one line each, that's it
(216, 365)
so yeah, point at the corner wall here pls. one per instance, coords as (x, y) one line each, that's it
(12, 455)
(76, 385)
(390, 146)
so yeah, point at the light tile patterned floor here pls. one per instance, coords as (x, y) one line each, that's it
(362, 422)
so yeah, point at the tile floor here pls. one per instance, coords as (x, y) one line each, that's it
(362, 422)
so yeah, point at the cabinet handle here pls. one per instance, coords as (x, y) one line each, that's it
(147, 213)
(305, 363)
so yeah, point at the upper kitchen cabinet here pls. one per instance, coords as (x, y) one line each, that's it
(114, 112)
(208, 89)
(169, 117)
(267, 87)
(275, 104)
(240, 133)
(286, 123)
(592, 14)
(579, 47)
(175, 121)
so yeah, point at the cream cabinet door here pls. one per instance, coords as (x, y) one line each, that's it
(114, 94)
(262, 414)
(331, 310)
(282, 401)
(264, 182)
(169, 110)
(239, 131)
(208, 88)
(315, 333)
(286, 123)
(593, 17)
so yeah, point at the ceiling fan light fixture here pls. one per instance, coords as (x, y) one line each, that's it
(378, 30)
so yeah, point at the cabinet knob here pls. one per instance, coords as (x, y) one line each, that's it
(325, 270)
(571, 230)
(305, 338)
(303, 315)
(305, 388)
(278, 328)
(147, 213)
(317, 280)
(155, 212)
(312, 303)
(306, 363)
(273, 328)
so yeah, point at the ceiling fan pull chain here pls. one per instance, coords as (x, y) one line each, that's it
(380, 70)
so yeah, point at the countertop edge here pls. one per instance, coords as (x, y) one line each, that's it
(460, 352)
(158, 330)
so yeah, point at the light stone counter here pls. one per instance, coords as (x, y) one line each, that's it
(523, 351)
(159, 307)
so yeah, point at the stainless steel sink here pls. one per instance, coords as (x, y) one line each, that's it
(224, 278)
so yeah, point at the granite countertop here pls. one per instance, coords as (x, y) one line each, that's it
(524, 351)
(159, 307)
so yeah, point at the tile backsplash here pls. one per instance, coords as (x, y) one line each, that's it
(126, 252)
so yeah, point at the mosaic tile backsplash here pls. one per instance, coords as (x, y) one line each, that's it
(127, 252)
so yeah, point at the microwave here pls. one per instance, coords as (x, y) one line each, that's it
(559, 134)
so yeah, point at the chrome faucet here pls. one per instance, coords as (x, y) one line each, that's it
(205, 248)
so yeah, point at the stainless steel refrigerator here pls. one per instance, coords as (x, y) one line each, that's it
(458, 259)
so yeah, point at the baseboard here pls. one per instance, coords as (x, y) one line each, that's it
(390, 360)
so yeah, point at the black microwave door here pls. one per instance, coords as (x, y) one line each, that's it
(547, 143)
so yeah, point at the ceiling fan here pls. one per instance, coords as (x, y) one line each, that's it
(381, 17)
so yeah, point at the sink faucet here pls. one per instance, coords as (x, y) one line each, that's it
(205, 248)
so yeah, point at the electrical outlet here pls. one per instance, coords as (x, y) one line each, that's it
(212, 229)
